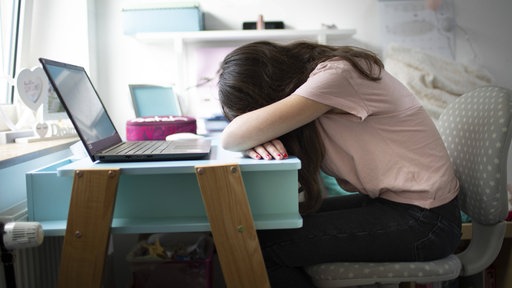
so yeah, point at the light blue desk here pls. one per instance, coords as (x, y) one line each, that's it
(164, 196)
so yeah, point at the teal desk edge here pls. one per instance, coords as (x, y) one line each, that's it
(217, 156)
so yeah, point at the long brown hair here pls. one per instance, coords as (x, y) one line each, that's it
(261, 73)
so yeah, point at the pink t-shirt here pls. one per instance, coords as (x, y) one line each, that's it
(382, 141)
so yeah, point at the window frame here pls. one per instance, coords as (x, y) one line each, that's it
(9, 63)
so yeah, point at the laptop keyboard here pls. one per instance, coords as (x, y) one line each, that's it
(149, 147)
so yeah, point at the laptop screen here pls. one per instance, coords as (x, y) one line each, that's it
(84, 107)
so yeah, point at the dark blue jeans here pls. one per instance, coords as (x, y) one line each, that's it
(358, 228)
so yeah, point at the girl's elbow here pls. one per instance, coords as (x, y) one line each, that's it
(225, 144)
(235, 139)
(229, 143)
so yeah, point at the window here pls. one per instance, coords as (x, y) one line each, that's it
(9, 20)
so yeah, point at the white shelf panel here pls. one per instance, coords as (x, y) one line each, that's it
(245, 35)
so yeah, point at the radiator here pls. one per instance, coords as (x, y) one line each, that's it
(34, 267)
(38, 267)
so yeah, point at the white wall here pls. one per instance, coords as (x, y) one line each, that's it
(55, 29)
(485, 25)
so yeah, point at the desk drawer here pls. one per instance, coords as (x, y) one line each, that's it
(48, 196)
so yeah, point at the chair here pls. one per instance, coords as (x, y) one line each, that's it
(476, 129)
(151, 100)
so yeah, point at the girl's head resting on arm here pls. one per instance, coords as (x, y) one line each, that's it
(261, 73)
(256, 75)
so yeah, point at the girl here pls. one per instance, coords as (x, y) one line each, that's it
(340, 112)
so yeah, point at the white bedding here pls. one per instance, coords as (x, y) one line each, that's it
(434, 80)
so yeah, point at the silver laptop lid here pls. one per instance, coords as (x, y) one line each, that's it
(83, 106)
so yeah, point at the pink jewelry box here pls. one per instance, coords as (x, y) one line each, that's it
(158, 127)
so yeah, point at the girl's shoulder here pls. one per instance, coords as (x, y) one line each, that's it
(336, 65)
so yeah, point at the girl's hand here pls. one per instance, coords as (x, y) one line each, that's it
(273, 149)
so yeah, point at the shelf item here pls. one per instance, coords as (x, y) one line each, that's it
(467, 231)
(155, 18)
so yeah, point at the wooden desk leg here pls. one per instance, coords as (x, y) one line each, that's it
(88, 228)
(232, 225)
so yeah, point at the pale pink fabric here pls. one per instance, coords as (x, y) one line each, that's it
(384, 144)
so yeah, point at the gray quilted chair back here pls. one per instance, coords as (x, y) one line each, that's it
(476, 131)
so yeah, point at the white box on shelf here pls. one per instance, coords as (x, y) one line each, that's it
(162, 18)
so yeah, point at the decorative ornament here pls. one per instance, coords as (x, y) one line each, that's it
(32, 87)
(41, 129)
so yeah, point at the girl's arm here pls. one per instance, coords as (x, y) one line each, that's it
(255, 128)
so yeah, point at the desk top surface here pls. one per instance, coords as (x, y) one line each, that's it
(216, 157)
(15, 153)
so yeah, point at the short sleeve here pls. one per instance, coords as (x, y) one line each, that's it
(332, 83)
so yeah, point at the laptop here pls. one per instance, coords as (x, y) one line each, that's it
(96, 130)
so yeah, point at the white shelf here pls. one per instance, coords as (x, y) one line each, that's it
(182, 40)
(320, 36)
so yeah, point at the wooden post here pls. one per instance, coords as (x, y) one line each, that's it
(232, 225)
(88, 228)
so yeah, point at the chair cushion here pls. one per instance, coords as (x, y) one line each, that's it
(361, 273)
(158, 127)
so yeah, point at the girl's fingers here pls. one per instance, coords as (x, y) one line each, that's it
(252, 154)
(280, 150)
(270, 150)
(262, 150)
